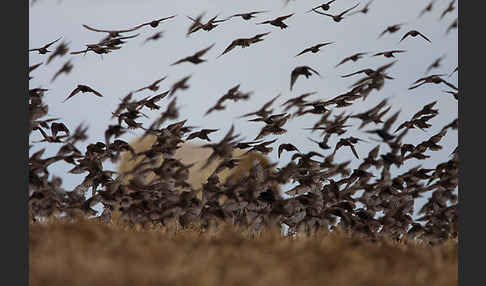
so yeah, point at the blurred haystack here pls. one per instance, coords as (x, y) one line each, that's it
(190, 153)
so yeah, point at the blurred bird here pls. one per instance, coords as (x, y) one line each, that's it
(196, 58)
(391, 29)
(353, 58)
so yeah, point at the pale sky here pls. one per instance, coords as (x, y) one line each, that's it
(263, 68)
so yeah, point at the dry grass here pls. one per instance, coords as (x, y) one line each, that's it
(89, 253)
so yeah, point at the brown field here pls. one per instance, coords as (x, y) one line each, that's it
(91, 253)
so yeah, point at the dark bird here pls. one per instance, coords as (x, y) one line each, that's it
(261, 147)
(198, 25)
(151, 102)
(426, 110)
(455, 70)
(391, 29)
(427, 8)
(196, 58)
(298, 101)
(384, 132)
(435, 64)
(415, 33)
(371, 115)
(222, 149)
(449, 9)
(368, 72)
(83, 89)
(265, 110)
(301, 70)
(43, 50)
(363, 10)
(453, 93)
(337, 18)
(246, 16)
(33, 67)
(111, 33)
(277, 22)
(201, 134)
(452, 26)
(323, 6)
(350, 142)
(155, 23)
(314, 49)
(353, 58)
(181, 84)
(287, 147)
(66, 68)
(60, 51)
(388, 54)
(435, 78)
(154, 37)
(244, 42)
(274, 127)
(100, 50)
(153, 87)
(322, 144)
(50, 139)
(57, 127)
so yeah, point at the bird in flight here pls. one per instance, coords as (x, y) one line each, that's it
(337, 18)
(449, 9)
(415, 33)
(195, 58)
(83, 88)
(314, 49)
(155, 23)
(244, 42)
(365, 9)
(301, 70)
(60, 50)
(112, 33)
(323, 6)
(153, 87)
(427, 8)
(391, 29)
(246, 16)
(197, 25)
(389, 54)
(66, 68)
(154, 37)
(353, 58)
(43, 50)
(435, 64)
(277, 22)
(435, 78)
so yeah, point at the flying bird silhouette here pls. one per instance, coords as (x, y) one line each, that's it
(277, 22)
(43, 50)
(301, 70)
(414, 33)
(337, 18)
(314, 49)
(83, 88)
(244, 42)
(196, 58)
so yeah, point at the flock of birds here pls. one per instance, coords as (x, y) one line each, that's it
(325, 195)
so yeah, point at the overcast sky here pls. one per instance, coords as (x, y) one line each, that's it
(263, 68)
